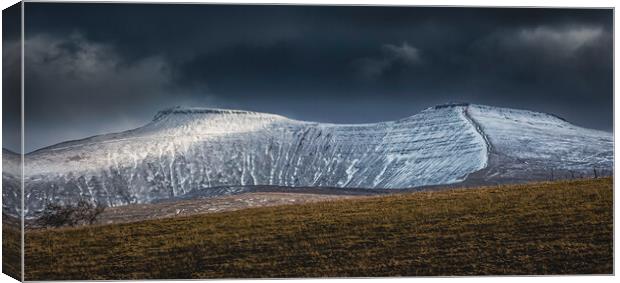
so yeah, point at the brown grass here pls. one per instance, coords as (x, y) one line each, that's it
(544, 228)
(11, 247)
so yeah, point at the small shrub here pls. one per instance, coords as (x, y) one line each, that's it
(57, 215)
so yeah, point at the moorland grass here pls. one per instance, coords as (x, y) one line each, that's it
(11, 247)
(561, 227)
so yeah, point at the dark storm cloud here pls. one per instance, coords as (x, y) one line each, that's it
(79, 85)
(375, 67)
(11, 78)
(94, 68)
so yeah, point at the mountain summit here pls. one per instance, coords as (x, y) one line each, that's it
(185, 150)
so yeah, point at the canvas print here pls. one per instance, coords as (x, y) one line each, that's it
(204, 141)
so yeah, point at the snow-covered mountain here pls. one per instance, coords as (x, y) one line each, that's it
(187, 150)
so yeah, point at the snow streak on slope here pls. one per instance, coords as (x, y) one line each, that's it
(184, 150)
(530, 145)
(211, 152)
(11, 182)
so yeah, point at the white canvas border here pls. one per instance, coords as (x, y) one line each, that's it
(475, 3)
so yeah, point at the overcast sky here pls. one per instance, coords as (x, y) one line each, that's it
(97, 68)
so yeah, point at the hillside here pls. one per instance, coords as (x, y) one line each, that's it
(198, 151)
(541, 228)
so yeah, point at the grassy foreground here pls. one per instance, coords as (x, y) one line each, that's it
(11, 247)
(544, 228)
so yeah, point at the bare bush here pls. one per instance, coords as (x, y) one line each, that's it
(57, 215)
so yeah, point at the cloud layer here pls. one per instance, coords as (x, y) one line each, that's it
(372, 68)
(74, 83)
(88, 75)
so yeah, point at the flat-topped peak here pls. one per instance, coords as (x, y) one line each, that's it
(198, 110)
(521, 112)
(495, 108)
(451, 104)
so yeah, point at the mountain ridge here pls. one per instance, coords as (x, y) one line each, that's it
(185, 150)
(209, 110)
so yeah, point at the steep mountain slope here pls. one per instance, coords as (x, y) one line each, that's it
(537, 146)
(11, 182)
(184, 150)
